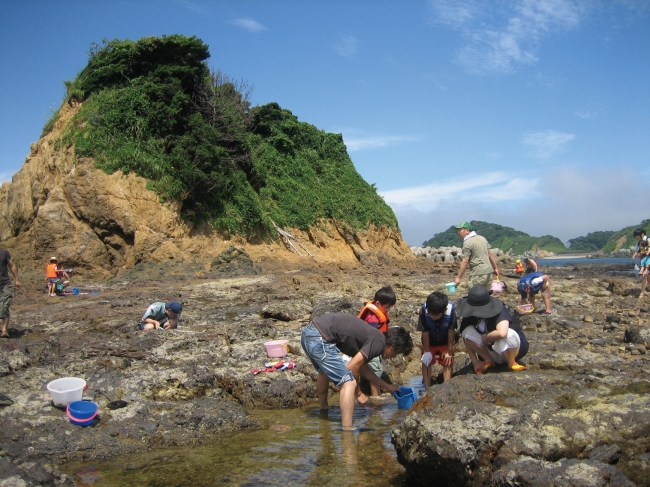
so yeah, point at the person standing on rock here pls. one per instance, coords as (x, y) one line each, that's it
(324, 340)
(375, 313)
(476, 256)
(161, 316)
(487, 332)
(6, 289)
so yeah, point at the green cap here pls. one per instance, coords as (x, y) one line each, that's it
(467, 225)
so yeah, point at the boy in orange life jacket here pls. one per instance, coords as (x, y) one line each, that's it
(375, 313)
(519, 267)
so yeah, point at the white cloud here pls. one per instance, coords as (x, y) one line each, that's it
(546, 143)
(506, 35)
(489, 187)
(347, 46)
(588, 113)
(249, 24)
(566, 203)
(375, 142)
(199, 9)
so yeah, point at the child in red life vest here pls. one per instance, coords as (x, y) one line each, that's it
(437, 322)
(375, 313)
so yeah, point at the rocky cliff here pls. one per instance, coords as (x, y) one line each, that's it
(61, 205)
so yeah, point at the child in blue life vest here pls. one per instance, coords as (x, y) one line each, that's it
(375, 313)
(530, 285)
(437, 322)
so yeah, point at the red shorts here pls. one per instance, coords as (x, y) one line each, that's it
(438, 351)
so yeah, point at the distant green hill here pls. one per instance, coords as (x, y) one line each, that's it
(499, 237)
(153, 107)
(592, 242)
(624, 239)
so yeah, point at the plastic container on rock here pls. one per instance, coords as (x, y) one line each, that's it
(82, 413)
(277, 348)
(525, 309)
(66, 390)
(405, 397)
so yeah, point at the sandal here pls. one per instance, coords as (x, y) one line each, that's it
(547, 313)
(517, 368)
(4, 335)
(488, 365)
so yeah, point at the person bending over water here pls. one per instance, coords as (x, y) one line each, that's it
(329, 335)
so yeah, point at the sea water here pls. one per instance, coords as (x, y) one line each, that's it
(579, 260)
(290, 447)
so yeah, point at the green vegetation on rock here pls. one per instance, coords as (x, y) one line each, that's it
(499, 237)
(153, 107)
(624, 239)
(591, 242)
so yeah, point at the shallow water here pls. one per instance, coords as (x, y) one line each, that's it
(583, 261)
(291, 447)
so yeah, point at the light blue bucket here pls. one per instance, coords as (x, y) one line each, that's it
(451, 287)
(405, 397)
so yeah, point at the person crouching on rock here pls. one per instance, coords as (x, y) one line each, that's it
(326, 337)
(533, 283)
(161, 316)
(489, 339)
(375, 313)
(437, 322)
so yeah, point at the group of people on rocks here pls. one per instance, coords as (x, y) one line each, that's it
(343, 348)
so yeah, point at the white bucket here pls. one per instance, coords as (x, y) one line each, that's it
(66, 390)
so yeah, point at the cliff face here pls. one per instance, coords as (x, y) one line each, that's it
(100, 223)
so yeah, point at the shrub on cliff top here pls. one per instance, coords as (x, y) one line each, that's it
(153, 107)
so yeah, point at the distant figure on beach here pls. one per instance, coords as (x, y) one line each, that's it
(437, 322)
(476, 256)
(161, 316)
(531, 265)
(375, 313)
(644, 271)
(55, 277)
(519, 267)
(640, 236)
(6, 289)
(531, 284)
(489, 332)
(327, 337)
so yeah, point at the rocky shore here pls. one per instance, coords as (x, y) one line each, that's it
(580, 413)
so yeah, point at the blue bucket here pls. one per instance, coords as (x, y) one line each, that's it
(405, 397)
(82, 413)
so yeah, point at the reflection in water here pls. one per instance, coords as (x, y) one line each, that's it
(291, 447)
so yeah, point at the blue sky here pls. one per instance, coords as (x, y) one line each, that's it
(530, 114)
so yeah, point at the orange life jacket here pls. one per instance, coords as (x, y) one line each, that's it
(369, 307)
(519, 268)
(50, 271)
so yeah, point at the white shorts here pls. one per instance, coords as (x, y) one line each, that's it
(510, 341)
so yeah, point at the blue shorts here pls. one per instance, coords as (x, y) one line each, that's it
(645, 261)
(52, 280)
(325, 357)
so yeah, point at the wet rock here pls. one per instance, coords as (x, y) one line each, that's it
(232, 262)
(606, 454)
(465, 433)
(637, 334)
(287, 310)
(539, 473)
